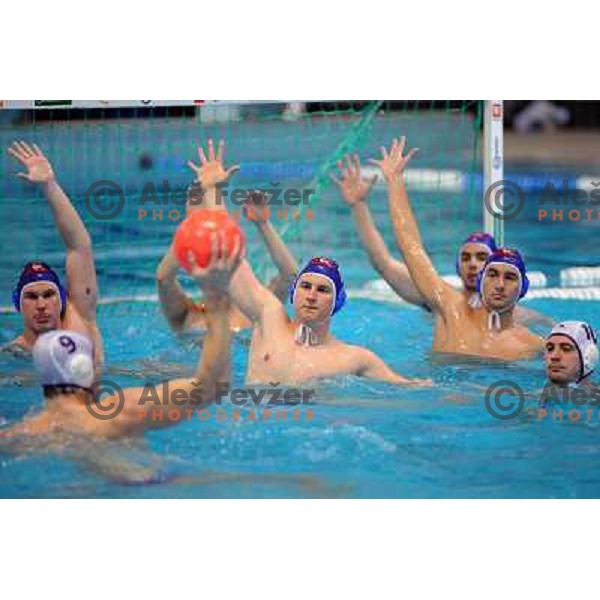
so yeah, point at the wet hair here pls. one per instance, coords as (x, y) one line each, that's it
(52, 391)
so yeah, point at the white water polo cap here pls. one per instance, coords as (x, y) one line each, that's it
(63, 357)
(584, 338)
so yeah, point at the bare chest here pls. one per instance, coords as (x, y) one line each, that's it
(288, 362)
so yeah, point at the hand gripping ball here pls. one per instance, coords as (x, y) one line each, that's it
(195, 235)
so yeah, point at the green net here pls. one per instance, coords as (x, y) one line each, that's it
(141, 153)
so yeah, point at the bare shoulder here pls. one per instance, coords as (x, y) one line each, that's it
(274, 313)
(360, 356)
(453, 300)
(527, 316)
(74, 321)
(528, 337)
(17, 347)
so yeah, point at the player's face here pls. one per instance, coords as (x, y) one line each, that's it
(471, 261)
(313, 298)
(41, 307)
(562, 360)
(501, 286)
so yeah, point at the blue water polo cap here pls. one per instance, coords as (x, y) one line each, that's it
(328, 268)
(36, 272)
(482, 239)
(507, 256)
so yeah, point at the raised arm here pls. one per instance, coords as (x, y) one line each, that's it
(430, 285)
(253, 299)
(354, 190)
(373, 367)
(175, 303)
(212, 367)
(210, 173)
(80, 268)
(256, 208)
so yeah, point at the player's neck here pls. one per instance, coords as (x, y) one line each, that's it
(70, 404)
(501, 321)
(311, 334)
(27, 339)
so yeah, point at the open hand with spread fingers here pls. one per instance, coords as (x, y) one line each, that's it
(210, 172)
(352, 186)
(393, 163)
(32, 158)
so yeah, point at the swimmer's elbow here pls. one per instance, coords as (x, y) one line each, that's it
(382, 262)
(85, 242)
(163, 275)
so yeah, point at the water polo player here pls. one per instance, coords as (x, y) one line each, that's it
(472, 253)
(296, 350)
(43, 300)
(64, 363)
(571, 354)
(183, 313)
(489, 330)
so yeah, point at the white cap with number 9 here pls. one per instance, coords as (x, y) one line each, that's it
(63, 357)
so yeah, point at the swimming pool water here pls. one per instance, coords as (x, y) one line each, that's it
(367, 439)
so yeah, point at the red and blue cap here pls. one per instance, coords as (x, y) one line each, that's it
(328, 268)
(507, 256)
(480, 238)
(35, 272)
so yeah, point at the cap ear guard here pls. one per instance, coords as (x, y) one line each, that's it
(292, 288)
(479, 281)
(591, 354)
(340, 300)
(590, 358)
(16, 299)
(524, 285)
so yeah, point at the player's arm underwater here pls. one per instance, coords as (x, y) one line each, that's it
(527, 316)
(371, 366)
(435, 291)
(354, 191)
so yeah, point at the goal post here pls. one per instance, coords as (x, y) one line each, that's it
(142, 146)
(493, 166)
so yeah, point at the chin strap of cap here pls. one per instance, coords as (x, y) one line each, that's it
(305, 336)
(475, 300)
